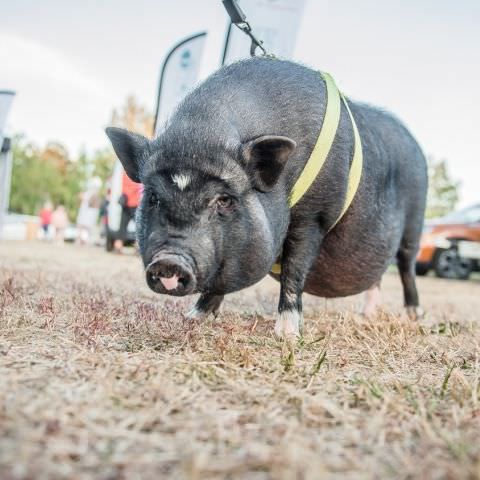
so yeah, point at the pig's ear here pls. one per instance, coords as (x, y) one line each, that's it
(131, 150)
(266, 157)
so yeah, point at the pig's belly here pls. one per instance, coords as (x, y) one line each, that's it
(345, 268)
(337, 277)
(350, 267)
(342, 276)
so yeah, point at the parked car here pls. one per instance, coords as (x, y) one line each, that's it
(451, 245)
(19, 227)
(71, 233)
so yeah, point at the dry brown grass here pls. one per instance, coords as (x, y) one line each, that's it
(101, 379)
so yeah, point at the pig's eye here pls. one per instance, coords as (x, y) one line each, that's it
(225, 204)
(153, 200)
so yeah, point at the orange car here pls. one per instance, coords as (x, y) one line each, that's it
(451, 245)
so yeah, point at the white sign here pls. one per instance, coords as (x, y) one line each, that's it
(6, 97)
(275, 22)
(179, 75)
(469, 249)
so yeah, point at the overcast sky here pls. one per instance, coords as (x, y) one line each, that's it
(71, 62)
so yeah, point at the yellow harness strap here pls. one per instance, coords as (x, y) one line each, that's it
(355, 168)
(322, 146)
(322, 149)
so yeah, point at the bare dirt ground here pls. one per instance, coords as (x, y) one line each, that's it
(100, 378)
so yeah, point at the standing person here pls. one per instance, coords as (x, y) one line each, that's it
(46, 219)
(103, 212)
(60, 223)
(88, 213)
(103, 215)
(129, 200)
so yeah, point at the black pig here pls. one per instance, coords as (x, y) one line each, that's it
(215, 215)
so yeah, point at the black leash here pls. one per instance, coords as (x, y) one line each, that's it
(239, 19)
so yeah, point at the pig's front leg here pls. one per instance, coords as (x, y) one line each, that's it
(299, 252)
(206, 304)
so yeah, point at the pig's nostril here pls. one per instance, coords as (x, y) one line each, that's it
(185, 280)
(170, 274)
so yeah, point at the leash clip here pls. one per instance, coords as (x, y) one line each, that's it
(239, 19)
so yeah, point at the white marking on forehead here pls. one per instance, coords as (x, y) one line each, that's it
(181, 180)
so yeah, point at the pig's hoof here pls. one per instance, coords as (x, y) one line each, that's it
(288, 324)
(368, 313)
(206, 305)
(415, 313)
(195, 314)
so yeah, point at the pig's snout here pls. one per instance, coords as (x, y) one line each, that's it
(171, 274)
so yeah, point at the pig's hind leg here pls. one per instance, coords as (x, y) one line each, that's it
(207, 304)
(406, 259)
(372, 300)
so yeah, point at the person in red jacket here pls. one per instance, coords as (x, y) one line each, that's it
(129, 200)
(46, 219)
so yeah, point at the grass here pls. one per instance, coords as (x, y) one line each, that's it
(100, 378)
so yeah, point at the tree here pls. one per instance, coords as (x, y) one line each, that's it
(442, 191)
(49, 173)
(45, 174)
(133, 117)
(102, 163)
(99, 164)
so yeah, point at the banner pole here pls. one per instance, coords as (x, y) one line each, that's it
(227, 41)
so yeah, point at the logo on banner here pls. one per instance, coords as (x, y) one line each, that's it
(186, 59)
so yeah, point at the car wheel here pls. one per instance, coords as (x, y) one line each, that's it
(421, 269)
(448, 264)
